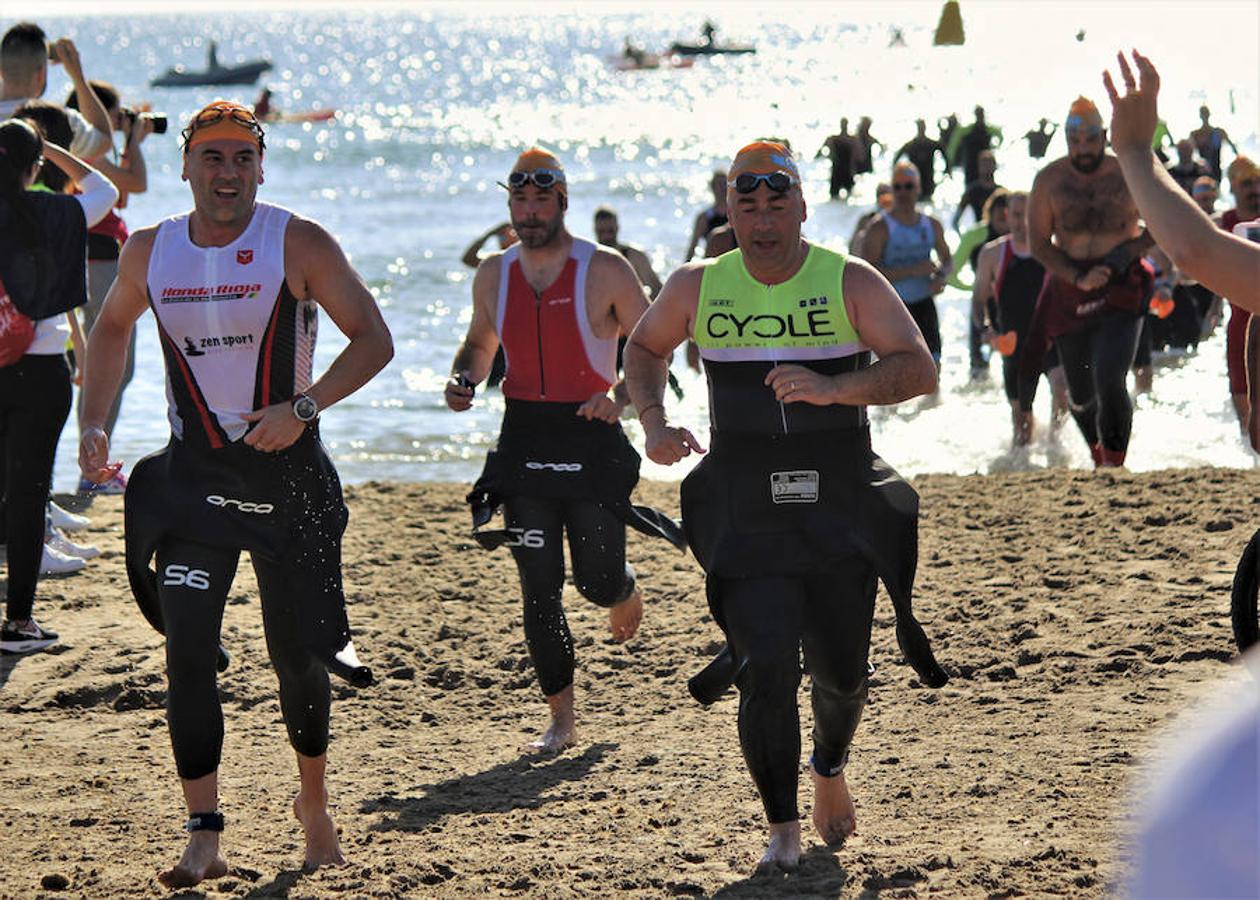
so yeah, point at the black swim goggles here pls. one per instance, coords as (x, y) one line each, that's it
(540, 178)
(778, 182)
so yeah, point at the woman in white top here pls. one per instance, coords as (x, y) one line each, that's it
(43, 245)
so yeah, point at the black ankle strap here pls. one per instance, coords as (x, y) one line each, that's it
(207, 821)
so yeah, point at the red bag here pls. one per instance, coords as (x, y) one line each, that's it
(17, 330)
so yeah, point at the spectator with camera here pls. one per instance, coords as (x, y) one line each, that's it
(24, 57)
(25, 53)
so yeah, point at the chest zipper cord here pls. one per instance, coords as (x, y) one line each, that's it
(542, 371)
(774, 362)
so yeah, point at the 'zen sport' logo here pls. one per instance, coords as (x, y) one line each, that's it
(245, 506)
(202, 345)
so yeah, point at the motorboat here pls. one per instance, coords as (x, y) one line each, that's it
(214, 73)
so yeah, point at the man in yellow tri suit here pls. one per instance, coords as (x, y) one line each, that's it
(791, 515)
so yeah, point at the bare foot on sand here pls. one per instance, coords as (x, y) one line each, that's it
(563, 729)
(783, 853)
(557, 737)
(835, 817)
(201, 861)
(322, 845)
(624, 618)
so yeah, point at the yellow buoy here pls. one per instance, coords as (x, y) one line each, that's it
(949, 30)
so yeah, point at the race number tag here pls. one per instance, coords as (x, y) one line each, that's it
(800, 486)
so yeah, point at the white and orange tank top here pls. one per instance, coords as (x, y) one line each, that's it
(552, 354)
(234, 337)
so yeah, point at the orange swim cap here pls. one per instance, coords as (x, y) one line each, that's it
(538, 159)
(1083, 114)
(764, 158)
(1242, 169)
(223, 120)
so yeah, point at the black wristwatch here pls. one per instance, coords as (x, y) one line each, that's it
(304, 408)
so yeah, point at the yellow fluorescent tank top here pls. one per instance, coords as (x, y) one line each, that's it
(739, 319)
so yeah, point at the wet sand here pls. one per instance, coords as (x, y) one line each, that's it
(1077, 612)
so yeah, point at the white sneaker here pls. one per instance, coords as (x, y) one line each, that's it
(56, 540)
(66, 520)
(57, 563)
(26, 638)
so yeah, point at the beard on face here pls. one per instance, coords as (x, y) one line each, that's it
(1249, 200)
(1086, 162)
(534, 233)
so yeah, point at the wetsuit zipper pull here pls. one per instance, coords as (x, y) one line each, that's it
(542, 372)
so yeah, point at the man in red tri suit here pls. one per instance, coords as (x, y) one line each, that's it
(234, 286)
(557, 304)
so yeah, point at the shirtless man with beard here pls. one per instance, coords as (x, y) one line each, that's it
(1083, 227)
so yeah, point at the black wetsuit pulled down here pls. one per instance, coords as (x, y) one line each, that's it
(195, 579)
(539, 524)
(824, 608)
(1096, 334)
(597, 548)
(556, 474)
(194, 510)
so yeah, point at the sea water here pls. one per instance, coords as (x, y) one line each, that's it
(435, 101)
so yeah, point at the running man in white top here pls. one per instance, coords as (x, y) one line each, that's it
(234, 286)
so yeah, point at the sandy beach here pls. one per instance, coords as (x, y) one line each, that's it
(1076, 611)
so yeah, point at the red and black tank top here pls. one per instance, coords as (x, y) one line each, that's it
(552, 354)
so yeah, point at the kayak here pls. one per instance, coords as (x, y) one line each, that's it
(313, 115)
(710, 49)
(650, 61)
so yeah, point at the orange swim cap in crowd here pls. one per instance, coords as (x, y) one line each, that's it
(764, 158)
(1083, 114)
(223, 120)
(1242, 169)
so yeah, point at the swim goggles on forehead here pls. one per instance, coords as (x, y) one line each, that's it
(208, 117)
(776, 181)
(541, 178)
(1080, 126)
